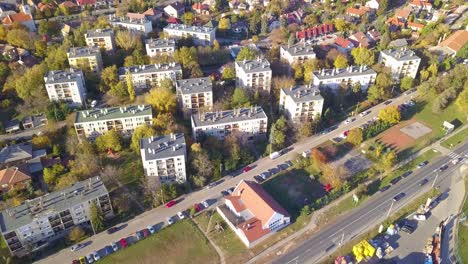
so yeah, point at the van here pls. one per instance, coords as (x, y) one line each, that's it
(275, 155)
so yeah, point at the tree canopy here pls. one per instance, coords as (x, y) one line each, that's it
(162, 99)
(363, 56)
(390, 115)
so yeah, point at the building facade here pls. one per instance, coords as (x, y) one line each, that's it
(301, 102)
(67, 86)
(156, 47)
(102, 38)
(141, 25)
(51, 216)
(201, 35)
(297, 53)
(254, 74)
(164, 157)
(85, 58)
(246, 122)
(125, 119)
(335, 78)
(403, 62)
(194, 94)
(144, 76)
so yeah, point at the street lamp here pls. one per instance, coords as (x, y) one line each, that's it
(437, 175)
(390, 209)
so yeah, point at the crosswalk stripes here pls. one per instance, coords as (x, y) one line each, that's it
(453, 155)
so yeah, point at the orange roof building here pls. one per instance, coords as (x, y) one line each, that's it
(456, 41)
(355, 12)
(252, 213)
(22, 18)
(415, 26)
(13, 177)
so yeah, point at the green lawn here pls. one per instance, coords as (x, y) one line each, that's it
(181, 243)
(457, 138)
(339, 209)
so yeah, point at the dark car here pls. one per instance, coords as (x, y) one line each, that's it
(407, 228)
(198, 207)
(224, 193)
(387, 102)
(139, 235)
(112, 230)
(383, 189)
(406, 174)
(443, 167)
(258, 179)
(289, 163)
(394, 181)
(422, 164)
(421, 183)
(398, 197)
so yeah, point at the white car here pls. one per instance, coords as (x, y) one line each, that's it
(76, 247)
(420, 217)
(205, 204)
(364, 113)
(170, 221)
(90, 258)
(181, 215)
(96, 256)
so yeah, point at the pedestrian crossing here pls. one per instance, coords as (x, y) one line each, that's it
(454, 155)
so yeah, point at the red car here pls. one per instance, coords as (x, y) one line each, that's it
(123, 243)
(145, 232)
(170, 204)
(198, 207)
(246, 169)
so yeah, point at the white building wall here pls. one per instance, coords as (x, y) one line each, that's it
(77, 89)
(400, 68)
(96, 128)
(247, 80)
(218, 130)
(334, 83)
(199, 38)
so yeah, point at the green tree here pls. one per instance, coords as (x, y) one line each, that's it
(110, 140)
(163, 100)
(96, 217)
(433, 70)
(29, 86)
(127, 40)
(229, 73)
(407, 83)
(240, 98)
(264, 26)
(109, 78)
(278, 133)
(389, 160)
(375, 93)
(461, 53)
(140, 132)
(462, 101)
(76, 234)
(355, 136)
(186, 55)
(120, 90)
(390, 115)
(21, 38)
(246, 53)
(40, 46)
(298, 71)
(363, 56)
(130, 89)
(341, 61)
(309, 67)
(51, 174)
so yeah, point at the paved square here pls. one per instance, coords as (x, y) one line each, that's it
(416, 130)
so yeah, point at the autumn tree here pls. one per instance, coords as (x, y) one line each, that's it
(76, 234)
(240, 98)
(390, 115)
(388, 160)
(127, 40)
(96, 217)
(462, 101)
(278, 134)
(341, 24)
(21, 38)
(110, 140)
(188, 18)
(51, 174)
(341, 61)
(229, 73)
(246, 53)
(109, 78)
(406, 83)
(40, 142)
(298, 71)
(163, 100)
(309, 67)
(355, 136)
(363, 56)
(201, 164)
(140, 132)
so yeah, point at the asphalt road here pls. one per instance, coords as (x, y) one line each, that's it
(27, 134)
(371, 213)
(159, 215)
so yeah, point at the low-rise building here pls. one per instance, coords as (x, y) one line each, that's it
(164, 157)
(254, 74)
(402, 62)
(175, 9)
(142, 25)
(39, 221)
(34, 121)
(334, 78)
(298, 52)
(67, 86)
(245, 122)
(144, 76)
(194, 94)
(124, 119)
(455, 42)
(21, 18)
(12, 126)
(102, 38)
(201, 35)
(20, 155)
(301, 102)
(13, 177)
(252, 213)
(85, 58)
(156, 47)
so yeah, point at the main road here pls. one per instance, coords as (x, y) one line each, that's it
(373, 211)
(160, 214)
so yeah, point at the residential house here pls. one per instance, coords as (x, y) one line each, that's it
(343, 45)
(355, 12)
(156, 47)
(402, 62)
(22, 154)
(140, 24)
(360, 39)
(102, 38)
(295, 16)
(86, 58)
(201, 9)
(45, 6)
(418, 5)
(69, 5)
(252, 213)
(13, 177)
(66, 85)
(254, 74)
(415, 26)
(175, 9)
(195, 94)
(12, 126)
(34, 121)
(298, 52)
(398, 43)
(145, 76)
(21, 18)
(201, 35)
(455, 42)
(301, 102)
(311, 33)
(153, 14)
(350, 76)
(374, 36)
(84, 3)
(373, 4)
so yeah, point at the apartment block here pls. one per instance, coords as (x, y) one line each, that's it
(141, 25)
(297, 53)
(334, 78)
(164, 157)
(145, 76)
(85, 58)
(156, 47)
(124, 119)
(254, 74)
(39, 221)
(301, 102)
(102, 38)
(67, 86)
(245, 122)
(194, 94)
(201, 35)
(403, 62)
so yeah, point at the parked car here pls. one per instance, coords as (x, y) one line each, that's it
(123, 243)
(230, 190)
(75, 261)
(422, 182)
(306, 153)
(89, 258)
(387, 102)
(398, 197)
(264, 175)
(383, 189)
(76, 247)
(211, 185)
(170, 221)
(258, 179)
(365, 113)
(198, 207)
(181, 215)
(151, 229)
(139, 235)
(289, 163)
(443, 167)
(82, 260)
(96, 256)
(422, 164)
(112, 230)
(145, 233)
(410, 91)
(171, 203)
(205, 204)
(114, 246)
(224, 193)
(420, 217)
(406, 174)
(407, 228)
(275, 155)
(246, 169)
(108, 250)
(394, 181)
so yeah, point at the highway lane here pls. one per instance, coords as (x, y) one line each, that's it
(160, 214)
(369, 214)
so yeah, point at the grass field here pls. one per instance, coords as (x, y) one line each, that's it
(456, 139)
(181, 243)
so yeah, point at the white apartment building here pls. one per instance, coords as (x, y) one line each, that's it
(334, 78)
(66, 85)
(201, 35)
(194, 94)
(246, 122)
(164, 157)
(156, 47)
(50, 217)
(85, 58)
(254, 74)
(297, 53)
(403, 62)
(145, 76)
(102, 38)
(142, 25)
(124, 119)
(301, 102)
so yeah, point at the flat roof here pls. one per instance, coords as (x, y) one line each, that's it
(228, 116)
(160, 43)
(194, 85)
(350, 71)
(128, 20)
(299, 49)
(112, 113)
(161, 147)
(61, 76)
(258, 65)
(76, 52)
(54, 202)
(401, 54)
(194, 29)
(141, 69)
(99, 33)
(303, 93)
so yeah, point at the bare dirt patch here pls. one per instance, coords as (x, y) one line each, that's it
(395, 138)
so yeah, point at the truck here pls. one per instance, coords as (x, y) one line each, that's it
(275, 155)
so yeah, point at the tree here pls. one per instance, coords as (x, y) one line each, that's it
(355, 136)
(202, 166)
(188, 18)
(76, 234)
(311, 20)
(341, 24)
(292, 39)
(96, 217)
(388, 160)
(109, 78)
(264, 26)
(240, 98)
(432, 69)
(363, 56)
(224, 24)
(309, 67)
(140, 132)
(3, 33)
(406, 83)
(130, 89)
(246, 53)
(21, 38)
(462, 101)
(216, 45)
(162, 100)
(375, 93)
(110, 140)
(306, 129)
(40, 142)
(127, 40)
(119, 89)
(40, 46)
(51, 174)
(298, 71)
(229, 73)
(341, 61)
(461, 53)
(278, 133)
(186, 55)
(390, 115)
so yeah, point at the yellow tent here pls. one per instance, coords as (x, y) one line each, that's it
(363, 250)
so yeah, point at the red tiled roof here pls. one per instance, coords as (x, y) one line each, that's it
(395, 21)
(344, 43)
(361, 39)
(415, 25)
(456, 41)
(68, 4)
(355, 11)
(135, 15)
(19, 17)
(86, 2)
(253, 229)
(420, 3)
(173, 20)
(151, 12)
(12, 176)
(199, 6)
(403, 13)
